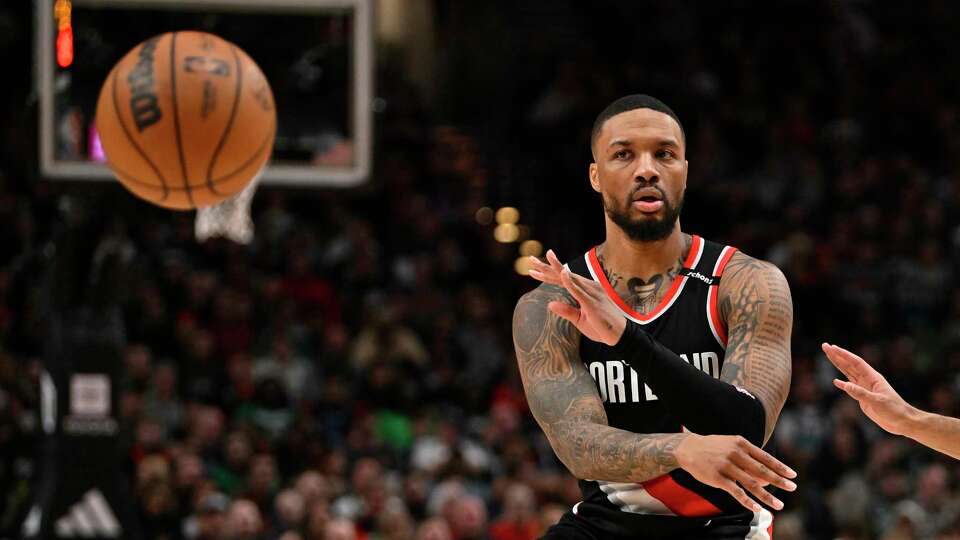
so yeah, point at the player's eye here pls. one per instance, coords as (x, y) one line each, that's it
(621, 154)
(664, 154)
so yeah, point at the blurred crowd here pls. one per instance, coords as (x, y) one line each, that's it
(350, 374)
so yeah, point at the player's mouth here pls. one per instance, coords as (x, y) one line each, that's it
(648, 200)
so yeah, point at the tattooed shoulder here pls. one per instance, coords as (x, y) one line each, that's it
(547, 348)
(533, 322)
(739, 286)
(541, 339)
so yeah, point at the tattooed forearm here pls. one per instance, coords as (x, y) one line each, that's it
(565, 402)
(756, 304)
(605, 453)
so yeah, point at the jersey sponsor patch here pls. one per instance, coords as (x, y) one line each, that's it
(709, 280)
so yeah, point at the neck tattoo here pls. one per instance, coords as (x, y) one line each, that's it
(643, 295)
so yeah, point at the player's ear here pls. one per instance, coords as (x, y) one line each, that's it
(594, 177)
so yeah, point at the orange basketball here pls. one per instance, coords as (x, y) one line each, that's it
(186, 119)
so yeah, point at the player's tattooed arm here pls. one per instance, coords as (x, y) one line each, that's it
(546, 328)
(565, 402)
(755, 302)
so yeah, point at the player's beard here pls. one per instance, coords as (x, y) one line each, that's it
(647, 228)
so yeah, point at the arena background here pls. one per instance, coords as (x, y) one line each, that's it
(351, 372)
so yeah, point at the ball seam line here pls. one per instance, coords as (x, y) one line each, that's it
(219, 180)
(176, 117)
(226, 130)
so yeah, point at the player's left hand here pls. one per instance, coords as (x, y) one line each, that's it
(597, 317)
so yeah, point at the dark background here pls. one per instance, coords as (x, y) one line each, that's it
(355, 361)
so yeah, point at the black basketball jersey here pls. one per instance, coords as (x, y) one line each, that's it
(686, 321)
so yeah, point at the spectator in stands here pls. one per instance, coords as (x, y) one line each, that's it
(244, 521)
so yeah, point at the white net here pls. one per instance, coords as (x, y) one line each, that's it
(230, 218)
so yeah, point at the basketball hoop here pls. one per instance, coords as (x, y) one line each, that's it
(230, 218)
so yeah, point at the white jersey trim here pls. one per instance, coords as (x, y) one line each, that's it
(760, 526)
(676, 295)
(633, 498)
(712, 297)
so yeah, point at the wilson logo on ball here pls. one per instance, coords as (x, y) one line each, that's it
(210, 66)
(143, 94)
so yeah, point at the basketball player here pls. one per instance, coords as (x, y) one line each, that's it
(882, 404)
(657, 363)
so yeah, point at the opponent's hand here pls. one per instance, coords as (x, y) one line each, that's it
(732, 463)
(597, 318)
(877, 399)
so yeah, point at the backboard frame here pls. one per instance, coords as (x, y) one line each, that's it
(361, 114)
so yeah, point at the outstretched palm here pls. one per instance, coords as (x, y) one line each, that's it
(877, 399)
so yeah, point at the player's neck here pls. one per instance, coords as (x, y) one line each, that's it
(630, 257)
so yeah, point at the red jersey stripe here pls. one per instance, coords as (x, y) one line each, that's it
(680, 500)
(696, 245)
(713, 311)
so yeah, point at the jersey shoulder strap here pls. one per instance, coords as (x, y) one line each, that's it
(707, 272)
(709, 266)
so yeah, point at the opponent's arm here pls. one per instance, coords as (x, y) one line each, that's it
(882, 404)
(942, 433)
(754, 300)
(564, 400)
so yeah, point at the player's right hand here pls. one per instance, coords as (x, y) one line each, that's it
(732, 463)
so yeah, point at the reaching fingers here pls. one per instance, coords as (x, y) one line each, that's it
(537, 275)
(853, 364)
(575, 288)
(771, 463)
(546, 272)
(586, 285)
(594, 289)
(544, 276)
(564, 310)
(855, 391)
(841, 362)
(761, 471)
(755, 486)
(554, 261)
(737, 493)
(552, 270)
(545, 267)
(846, 363)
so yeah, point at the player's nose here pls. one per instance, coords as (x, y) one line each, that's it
(646, 170)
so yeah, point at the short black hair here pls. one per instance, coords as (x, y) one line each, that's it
(629, 103)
